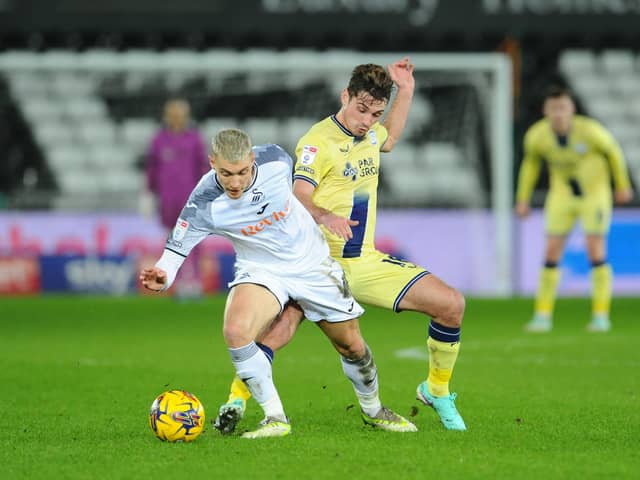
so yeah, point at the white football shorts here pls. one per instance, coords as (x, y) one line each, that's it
(322, 292)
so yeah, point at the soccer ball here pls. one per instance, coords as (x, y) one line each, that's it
(176, 416)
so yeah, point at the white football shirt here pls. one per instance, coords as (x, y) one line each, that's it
(268, 226)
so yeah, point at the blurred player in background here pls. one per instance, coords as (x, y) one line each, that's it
(280, 254)
(336, 179)
(580, 154)
(176, 160)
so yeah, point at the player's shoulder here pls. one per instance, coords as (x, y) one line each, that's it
(317, 134)
(206, 191)
(589, 124)
(270, 153)
(538, 129)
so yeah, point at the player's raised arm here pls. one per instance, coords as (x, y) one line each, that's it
(401, 72)
(336, 224)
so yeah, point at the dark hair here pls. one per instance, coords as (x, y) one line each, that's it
(557, 91)
(372, 79)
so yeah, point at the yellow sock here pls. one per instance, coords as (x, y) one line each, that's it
(601, 279)
(442, 358)
(547, 289)
(238, 390)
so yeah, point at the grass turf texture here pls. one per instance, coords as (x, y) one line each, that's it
(78, 375)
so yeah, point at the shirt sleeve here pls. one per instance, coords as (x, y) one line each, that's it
(193, 225)
(607, 144)
(313, 161)
(381, 133)
(529, 169)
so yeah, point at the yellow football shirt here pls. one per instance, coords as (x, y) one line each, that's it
(344, 169)
(580, 165)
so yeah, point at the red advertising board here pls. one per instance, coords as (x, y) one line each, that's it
(19, 276)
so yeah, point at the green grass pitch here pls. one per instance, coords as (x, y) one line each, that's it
(78, 375)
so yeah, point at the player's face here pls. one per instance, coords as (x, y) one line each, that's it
(559, 111)
(235, 178)
(360, 112)
(176, 115)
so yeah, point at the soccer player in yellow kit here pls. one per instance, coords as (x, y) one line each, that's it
(580, 154)
(336, 179)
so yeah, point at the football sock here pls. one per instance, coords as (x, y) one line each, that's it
(364, 377)
(238, 390)
(443, 345)
(254, 368)
(547, 289)
(601, 278)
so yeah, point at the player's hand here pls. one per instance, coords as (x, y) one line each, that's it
(339, 226)
(623, 196)
(153, 278)
(401, 72)
(522, 209)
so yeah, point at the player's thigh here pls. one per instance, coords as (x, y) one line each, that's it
(595, 215)
(250, 308)
(381, 280)
(256, 298)
(432, 296)
(560, 214)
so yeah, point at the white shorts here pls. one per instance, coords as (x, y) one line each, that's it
(322, 293)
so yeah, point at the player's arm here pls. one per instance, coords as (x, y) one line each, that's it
(612, 151)
(189, 231)
(528, 175)
(401, 73)
(336, 224)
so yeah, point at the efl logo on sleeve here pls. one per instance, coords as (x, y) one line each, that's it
(181, 229)
(308, 154)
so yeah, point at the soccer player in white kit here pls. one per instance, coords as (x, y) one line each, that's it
(281, 254)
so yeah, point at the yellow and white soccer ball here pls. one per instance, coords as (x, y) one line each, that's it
(176, 416)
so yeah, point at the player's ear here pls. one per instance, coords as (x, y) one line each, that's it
(212, 161)
(253, 157)
(344, 97)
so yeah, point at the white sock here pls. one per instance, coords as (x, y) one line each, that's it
(254, 368)
(364, 377)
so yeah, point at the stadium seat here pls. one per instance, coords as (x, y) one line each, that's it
(617, 62)
(53, 134)
(136, 133)
(575, 63)
(262, 130)
(65, 158)
(96, 133)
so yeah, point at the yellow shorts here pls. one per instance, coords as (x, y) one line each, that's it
(561, 213)
(380, 279)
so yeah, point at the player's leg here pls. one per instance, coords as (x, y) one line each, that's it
(445, 305)
(601, 281)
(359, 367)
(560, 214)
(249, 310)
(548, 281)
(596, 219)
(279, 333)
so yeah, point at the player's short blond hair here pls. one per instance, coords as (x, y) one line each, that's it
(231, 144)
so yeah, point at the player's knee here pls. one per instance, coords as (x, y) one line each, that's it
(454, 311)
(235, 335)
(352, 349)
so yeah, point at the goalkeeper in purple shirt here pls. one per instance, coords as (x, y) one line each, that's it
(176, 160)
